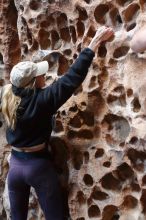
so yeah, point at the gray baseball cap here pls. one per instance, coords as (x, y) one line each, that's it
(23, 72)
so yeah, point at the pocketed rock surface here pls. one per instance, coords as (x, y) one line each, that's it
(99, 140)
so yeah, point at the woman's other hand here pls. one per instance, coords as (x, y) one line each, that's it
(102, 34)
(138, 42)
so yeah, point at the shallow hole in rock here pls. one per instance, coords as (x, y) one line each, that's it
(84, 134)
(28, 32)
(80, 28)
(102, 51)
(93, 148)
(135, 187)
(1, 123)
(82, 13)
(110, 182)
(89, 201)
(65, 34)
(119, 19)
(124, 172)
(93, 211)
(118, 126)
(97, 194)
(107, 164)
(23, 21)
(70, 62)
(136, 105)
(25, 48)
(61, 20)
(31, 21)
(93, 82)
(54, 39)
(109, 139)
(117, 100)
(87, 1)
(87, 117)
(63, 112)
(1, 82)
(129, 92)
(73, 108)
(122, 144)
(73, 34)
(133, 140)
(129, 27)
(86, 157)
(44, 39)
(116, 216)
(99, 153)
(83, 104)
(75, 122)
(130, 12)
(58, 126)
(51, 20)
(29, 36)
(44, 24)
(112, 61)
(115, 16)
(40, 18)
(63, 65)
(111, 98)
(81, 198)
(79, 47)
(88, 180)
(143, 200)
(102, 78)
(21, 7)
(34, 5)
(67, 52)
(144, 180)
(119, 89)
(91, 32)
(75, 56)
(137, 158)
(100, 12)
(110, 212)
(120, 51)
(95, 99)
(130, 202)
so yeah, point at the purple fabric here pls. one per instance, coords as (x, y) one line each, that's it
(40, 174)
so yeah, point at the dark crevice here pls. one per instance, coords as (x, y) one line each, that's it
(1, 59)
(13, 52)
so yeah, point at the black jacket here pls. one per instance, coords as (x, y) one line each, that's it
(34, 116)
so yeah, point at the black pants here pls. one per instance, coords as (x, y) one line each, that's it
(40, 174)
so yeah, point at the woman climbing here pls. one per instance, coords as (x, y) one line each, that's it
(28, 107)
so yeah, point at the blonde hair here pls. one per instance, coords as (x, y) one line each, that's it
(10, 103)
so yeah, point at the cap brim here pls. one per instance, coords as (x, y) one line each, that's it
(42, 68)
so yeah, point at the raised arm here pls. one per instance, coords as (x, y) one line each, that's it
(60, 91)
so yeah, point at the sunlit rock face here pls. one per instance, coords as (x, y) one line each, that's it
(99, 139)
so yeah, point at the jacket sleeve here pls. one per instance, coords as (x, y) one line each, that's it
(58, 93)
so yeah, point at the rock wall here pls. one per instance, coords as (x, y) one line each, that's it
(99, 140)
